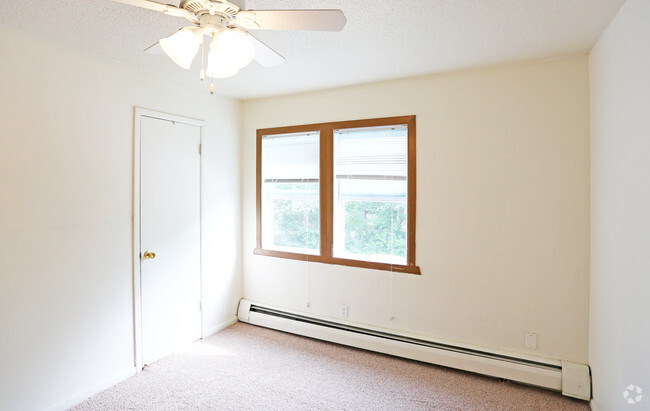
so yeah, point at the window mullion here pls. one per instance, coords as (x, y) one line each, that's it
(326, 182)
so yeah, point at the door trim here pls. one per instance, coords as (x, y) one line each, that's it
(139, 113)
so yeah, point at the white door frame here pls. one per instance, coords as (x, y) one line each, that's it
(137, 280)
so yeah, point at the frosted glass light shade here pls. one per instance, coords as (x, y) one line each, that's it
(225, 57)
(182, 46)
(234, 43)
(219, 65)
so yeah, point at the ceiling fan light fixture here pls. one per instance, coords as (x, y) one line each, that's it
(230, 51)
(182, 46)
(234, 44)
(219, 65)
(232, 48)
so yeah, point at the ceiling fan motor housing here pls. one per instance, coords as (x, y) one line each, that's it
(212, 24)
(202, 7)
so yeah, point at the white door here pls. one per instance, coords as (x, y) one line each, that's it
(170, 265)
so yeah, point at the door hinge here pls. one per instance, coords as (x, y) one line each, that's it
(200, 148)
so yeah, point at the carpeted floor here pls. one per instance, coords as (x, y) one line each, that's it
(251, 368)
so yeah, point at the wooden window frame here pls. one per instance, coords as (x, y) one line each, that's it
(326, 131)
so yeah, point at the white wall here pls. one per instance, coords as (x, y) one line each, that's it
(502, 200)
(66, 121)
(619, 344)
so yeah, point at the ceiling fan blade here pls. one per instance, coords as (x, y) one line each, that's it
(264, 54)
(154, 49)
(163, 8)
(317, 20)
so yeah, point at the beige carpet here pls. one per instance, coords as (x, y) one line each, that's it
(252, 368)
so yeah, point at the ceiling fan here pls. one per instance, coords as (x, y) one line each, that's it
(226, 24)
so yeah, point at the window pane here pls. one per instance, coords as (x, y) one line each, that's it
(296, 217)
(370, 194)
(375, 231)
(291, 193)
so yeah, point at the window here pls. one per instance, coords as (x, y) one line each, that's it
(291, 193)
(339, 193)
(370, 193)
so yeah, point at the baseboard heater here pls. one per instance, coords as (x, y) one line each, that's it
(571, 378)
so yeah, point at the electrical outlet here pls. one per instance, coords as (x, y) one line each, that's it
(531, 341)
(343, 311)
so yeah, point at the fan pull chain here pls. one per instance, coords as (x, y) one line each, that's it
(212, 82)
(202, 61)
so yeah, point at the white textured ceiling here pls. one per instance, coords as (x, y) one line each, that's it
(383, 39)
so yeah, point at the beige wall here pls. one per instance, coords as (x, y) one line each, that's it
(66, 149)
(502, 200)
(619, 349)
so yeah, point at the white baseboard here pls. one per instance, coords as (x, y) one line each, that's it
(221, 326)
(97, 388)
(570, 378)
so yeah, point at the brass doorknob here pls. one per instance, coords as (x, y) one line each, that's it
(148, 255)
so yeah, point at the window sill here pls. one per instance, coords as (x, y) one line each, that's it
(407, 269)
